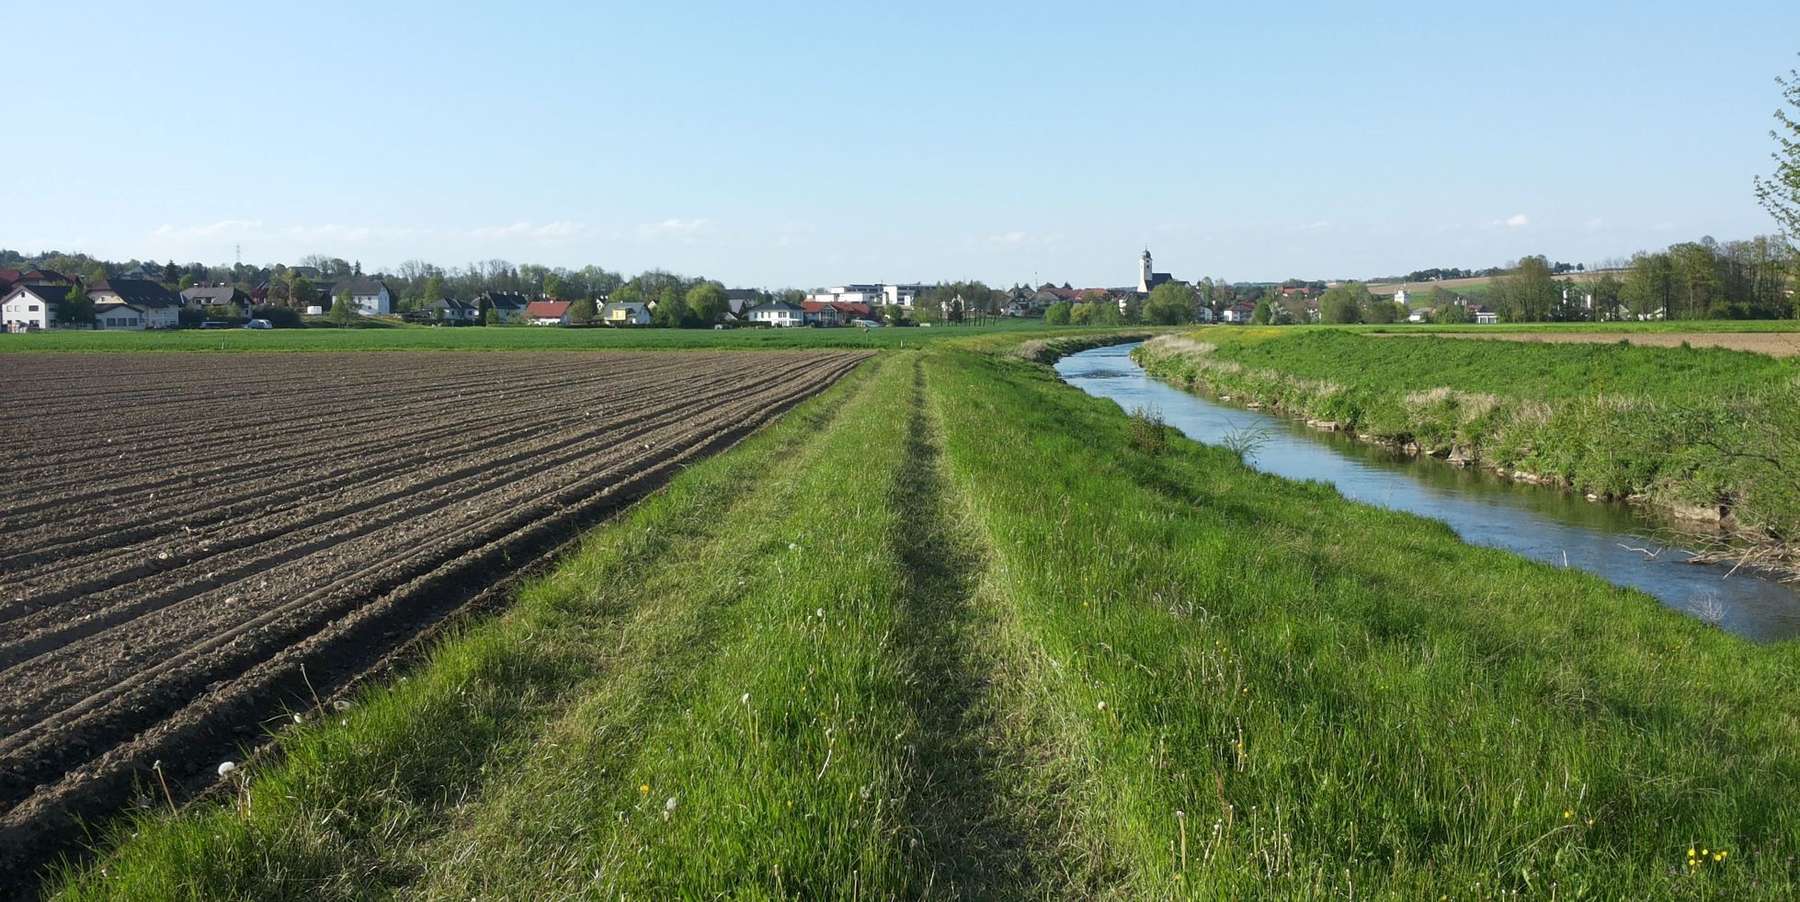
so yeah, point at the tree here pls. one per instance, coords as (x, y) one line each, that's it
(1379, 309)
(554, 287)
(171, 273)
(1057, 314)
(1343, 304)
(1649, 287)
(1170, 304)
(707, 302)
(895, 314)
(584, 311)
(1450, 314)
(300, 291)
(74, 308)
(491, 316)
(1262, 314)
(1780, 193)
(187, 281)
(1529, 293)
(433, 290)
(342, 312)
(1606, 291)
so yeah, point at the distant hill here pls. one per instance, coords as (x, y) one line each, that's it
(1477, 287)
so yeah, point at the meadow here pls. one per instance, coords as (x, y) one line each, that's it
(954, 629)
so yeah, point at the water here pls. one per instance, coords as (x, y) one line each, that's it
(1544, 524)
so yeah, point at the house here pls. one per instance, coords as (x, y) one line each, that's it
(115, 315)
(369, 297)
(508, 307)
(29, 308)
(161, 308)
(738, 300)
(548, 313)
(215, 296)
(1400, 297)
(1483, 315)
(445, 310)
(1418, 316)
(778, 313)
(1204, 314)
(817, 314)
(1238, 313)
(626, 313)
(43, 278)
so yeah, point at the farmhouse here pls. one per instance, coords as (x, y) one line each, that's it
(369, 297)
(160, 307)
(548, 313)
(215, 296)
(778, 313)
(28, 308)
(445, 310)
(508, 307)
(626, 313)
(115, 315)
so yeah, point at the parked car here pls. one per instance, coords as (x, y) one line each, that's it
(865, 323)
(259, 324)
(215, 324)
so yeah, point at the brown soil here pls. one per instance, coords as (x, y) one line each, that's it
(1775, 344)
(192, 546)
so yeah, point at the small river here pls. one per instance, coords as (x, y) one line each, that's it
(1544, 524)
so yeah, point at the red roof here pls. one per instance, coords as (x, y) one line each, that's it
(547, 309)
(846, 308)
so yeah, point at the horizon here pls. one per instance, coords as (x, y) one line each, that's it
(799, 147)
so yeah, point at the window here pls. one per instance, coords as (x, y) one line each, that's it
(33, 308)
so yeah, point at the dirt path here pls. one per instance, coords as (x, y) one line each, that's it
(1775, 344)
(193, 543)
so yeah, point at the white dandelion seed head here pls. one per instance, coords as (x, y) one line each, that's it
(226, 767)
(820, 613)
(670, 804)
(744, 699)
(1101, 706)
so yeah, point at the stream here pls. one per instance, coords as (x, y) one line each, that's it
(1542, 523)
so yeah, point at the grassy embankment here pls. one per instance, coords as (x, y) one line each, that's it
(508, 338)
(949, 629)
(1695, 431)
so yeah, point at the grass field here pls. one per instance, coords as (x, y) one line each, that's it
(1698, 431)
(954, 629)
(503, 338)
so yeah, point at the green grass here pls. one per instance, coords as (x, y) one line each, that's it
(1687, 429)
(1623, 328)
(506, 338)
(951, 630)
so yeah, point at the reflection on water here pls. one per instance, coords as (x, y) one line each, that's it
(1543, 524)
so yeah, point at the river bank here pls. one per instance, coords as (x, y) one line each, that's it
(1699, 438)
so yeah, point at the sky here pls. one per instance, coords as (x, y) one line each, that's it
(804, 145)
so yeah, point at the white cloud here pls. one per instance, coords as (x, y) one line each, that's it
(1517, 221)
(1317, 225)
(1595, 224)
(1013, 238)
(674, 228)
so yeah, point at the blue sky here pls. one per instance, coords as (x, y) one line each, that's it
(800, 145)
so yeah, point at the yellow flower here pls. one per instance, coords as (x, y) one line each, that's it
(1567, 814)
(644, 789)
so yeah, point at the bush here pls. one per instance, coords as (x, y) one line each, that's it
(1149, 433)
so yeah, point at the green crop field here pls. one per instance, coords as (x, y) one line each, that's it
(954, 629)
(500, 338)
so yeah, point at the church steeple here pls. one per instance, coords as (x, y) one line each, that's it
(1144, 269)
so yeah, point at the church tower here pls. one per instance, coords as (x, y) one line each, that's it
(1144, 269)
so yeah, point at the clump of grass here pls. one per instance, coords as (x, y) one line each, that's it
(1149, 431)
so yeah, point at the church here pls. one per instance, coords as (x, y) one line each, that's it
(1148, 278)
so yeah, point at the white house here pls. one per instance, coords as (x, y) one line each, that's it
(118, 316)
(626, 313)
(507, 307)
(1203, 314)
(778, 313)
(875, 294)
(369, 297)
(1238, 313)
(1401, 296)
(28, 308)
(446, 310)
(548, 313)
(160, 307)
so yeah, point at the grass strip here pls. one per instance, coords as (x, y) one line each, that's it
(1264, 690)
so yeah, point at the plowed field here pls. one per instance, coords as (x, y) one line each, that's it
(193, 546)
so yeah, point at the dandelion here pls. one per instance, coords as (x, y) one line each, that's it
(820, 613)
(644, 790)
(1567, 814)
(1101, 706)
(744, 699)
(226, 767)
(668, 808)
